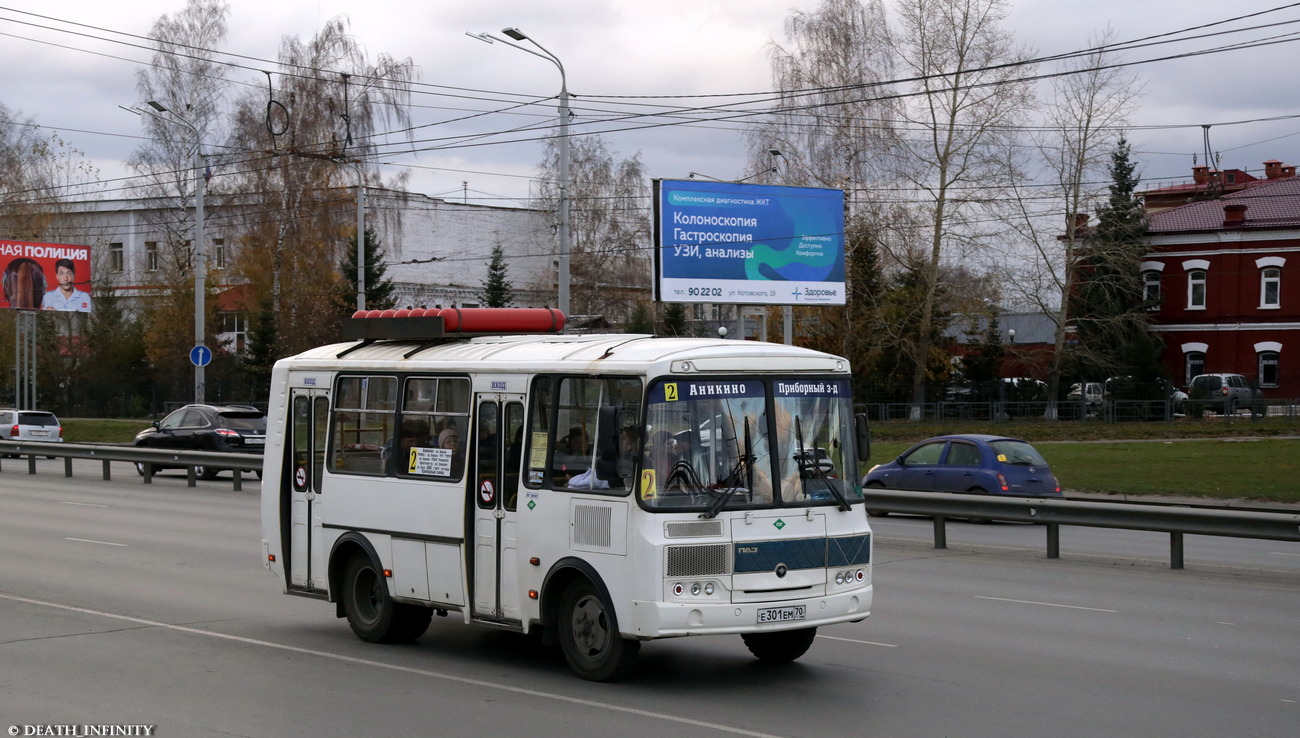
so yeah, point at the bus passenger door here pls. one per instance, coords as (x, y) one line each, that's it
(498, 436)
(300, 486)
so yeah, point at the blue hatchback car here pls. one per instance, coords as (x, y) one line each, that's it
(979, 464)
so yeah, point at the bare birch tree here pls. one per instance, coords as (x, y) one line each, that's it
(185, 79)
(609, 226)
(955, 132)
(188, 84)
(1087, 115)
(831, 126)
(307, 140)
(830, 120)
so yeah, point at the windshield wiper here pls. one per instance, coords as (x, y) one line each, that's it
(801, 459)
(744, 465)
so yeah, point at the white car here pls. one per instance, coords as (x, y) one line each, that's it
(30, 425)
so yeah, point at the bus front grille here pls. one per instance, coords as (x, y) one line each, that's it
(698, 561)
(693, 529)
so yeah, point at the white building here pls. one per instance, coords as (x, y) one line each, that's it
(436, 251)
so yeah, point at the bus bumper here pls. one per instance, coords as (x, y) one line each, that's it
(670, 619)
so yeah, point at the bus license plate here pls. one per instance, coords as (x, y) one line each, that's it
(781, 614)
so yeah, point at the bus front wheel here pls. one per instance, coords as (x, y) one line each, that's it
(372, 614)
(780, 647)
(589, 636)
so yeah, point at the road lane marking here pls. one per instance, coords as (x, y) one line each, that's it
(1044, 604)
(1283, 553)
(102, 543)
(82, 504)
(394, 667)
(855, 640)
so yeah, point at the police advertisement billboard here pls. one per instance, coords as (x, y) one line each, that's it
(723, 242)
(45, 276)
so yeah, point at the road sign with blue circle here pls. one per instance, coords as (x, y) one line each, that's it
(200, 355)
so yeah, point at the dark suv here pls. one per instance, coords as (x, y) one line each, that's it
(230, 428)
(1224, 394)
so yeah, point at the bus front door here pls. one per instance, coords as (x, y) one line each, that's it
(300, 486)
(497, 447)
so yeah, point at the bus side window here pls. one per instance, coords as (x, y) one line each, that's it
(365, 412)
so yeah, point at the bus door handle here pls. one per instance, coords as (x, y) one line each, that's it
(498, 513)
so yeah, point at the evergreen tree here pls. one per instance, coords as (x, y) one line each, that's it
(983, 364)
(641, 320)
(379, 289)
(1110, 318)
(674, 320)
(262, 352)
(497, 291)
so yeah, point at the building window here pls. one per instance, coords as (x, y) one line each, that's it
(1196, 290)
(151, 256)
(235, 327)
(1151, 290)
(1268, 372)
(1195, 364)
(116, 258)
(1270, 288)
(218, 253)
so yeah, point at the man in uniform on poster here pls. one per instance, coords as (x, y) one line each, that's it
(66, 296)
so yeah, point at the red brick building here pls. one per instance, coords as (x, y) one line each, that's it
(1226, 272)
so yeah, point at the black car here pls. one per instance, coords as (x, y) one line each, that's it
(229, 428)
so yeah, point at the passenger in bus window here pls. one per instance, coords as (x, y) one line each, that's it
(587, 479)
(414, 433)
(450, 438)
(573, 451)
(660, 454)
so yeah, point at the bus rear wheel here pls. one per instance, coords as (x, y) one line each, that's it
(780, 647)
(589, 636)
(372, 614)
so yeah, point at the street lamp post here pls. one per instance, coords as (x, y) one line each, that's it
(200, 251)
(519, 35)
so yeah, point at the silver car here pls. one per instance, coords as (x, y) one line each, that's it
(1224, 393)
(30, 425)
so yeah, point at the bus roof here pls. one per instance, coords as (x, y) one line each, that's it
(585, 353)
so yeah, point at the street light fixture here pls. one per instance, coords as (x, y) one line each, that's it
(518, 35)
(200, 354)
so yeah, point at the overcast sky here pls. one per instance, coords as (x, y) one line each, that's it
(72, 80)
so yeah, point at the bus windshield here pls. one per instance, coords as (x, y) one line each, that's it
(719, 444)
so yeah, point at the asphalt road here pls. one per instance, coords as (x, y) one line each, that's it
(122, 603)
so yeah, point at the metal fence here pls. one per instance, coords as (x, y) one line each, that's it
(1052, 513)
(1110, 411)
(144, 461)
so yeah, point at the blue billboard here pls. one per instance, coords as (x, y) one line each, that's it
(721, 242)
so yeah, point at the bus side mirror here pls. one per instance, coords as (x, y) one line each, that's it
(607, 444)
(862, 428)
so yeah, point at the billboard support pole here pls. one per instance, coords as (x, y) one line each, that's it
(25, 361)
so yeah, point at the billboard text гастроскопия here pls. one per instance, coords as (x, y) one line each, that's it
(723, 242)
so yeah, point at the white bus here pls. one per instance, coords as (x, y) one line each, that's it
(602, 490)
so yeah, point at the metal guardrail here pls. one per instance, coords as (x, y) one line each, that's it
(1051, 512)
(152, 459)
(1176, 520)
